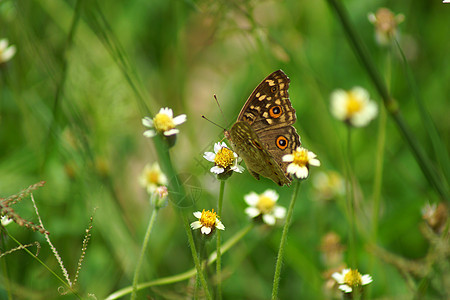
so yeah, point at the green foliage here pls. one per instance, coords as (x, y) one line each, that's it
(86, 73)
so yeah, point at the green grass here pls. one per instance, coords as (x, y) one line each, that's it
(86, 73)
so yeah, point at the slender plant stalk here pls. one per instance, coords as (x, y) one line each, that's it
(390, 104)
(219, 254)
(143, 251)
(276, 278)
(350, 194)
(188, 274)
(45, 266)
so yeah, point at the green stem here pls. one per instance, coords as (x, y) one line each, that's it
(276, 278)
(390, 104)
(350, 194)
(188, 274)
(143, 251)
(45, 266)
(197, 263)
(219, 255)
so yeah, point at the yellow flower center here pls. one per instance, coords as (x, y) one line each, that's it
(353, 278)
(153, 176)
(301, 157)
(224, 158)
(163, 122)
(354, 104)
(265, 204)
(208, 218)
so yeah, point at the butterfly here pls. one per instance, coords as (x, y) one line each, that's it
(263, 132)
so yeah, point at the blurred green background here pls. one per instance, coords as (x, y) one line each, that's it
(85, 72)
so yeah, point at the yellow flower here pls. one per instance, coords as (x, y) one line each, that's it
(264, 205)
(301, 159)
(328, 185)
(224, 159)
(163, 122)
(386, 24)
(350, 279)
(208, 221)
(354, 106)
(6, 51)
(152, 177)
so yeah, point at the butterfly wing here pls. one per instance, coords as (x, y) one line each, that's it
(270, 113)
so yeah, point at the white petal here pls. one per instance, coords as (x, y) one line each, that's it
(271, 194)
(279, 212)
(238, 168)
(223, 145)
(171, 132)
(149, 133)
(219, 225)
(339, 104)
(302, 172)
(147, 122)
(339, 277)
(269, 219)
(360, 93)
(314, 162)
(217, 147)
(292, 168)
(345, 288)
(216, 170)
(366, 279)
(3, 44)
(288, 157)
(206, 230)
(196, 225)
(9, 53)
(166, 111)
(197, 214)
(252, 212)
(209, 156)
(251, 199)
(179, 119)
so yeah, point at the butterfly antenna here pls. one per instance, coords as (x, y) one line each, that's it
(212, 122)
(220, 108)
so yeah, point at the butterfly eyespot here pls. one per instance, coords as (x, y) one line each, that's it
(276, 111)
(282, 142)
(273, 89)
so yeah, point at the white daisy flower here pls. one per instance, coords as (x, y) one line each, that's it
(350, 279)
(354, 106)
(207, 221)
(6, 221)
(328, 185)
(6, 51)
(224, 159)
(301, 159)
(264, 205)
(152, 177)
(163, 122)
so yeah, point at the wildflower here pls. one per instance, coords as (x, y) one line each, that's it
(207, 221)
(328, 185)
(6, 220)
(354, 106)
(159, 196)
(152, 177)
(224, 159)
(435, 215)
(163, 122)
(386, 24)
(264, 205)
(350, 279)
(332, 250)
(6, 51)
(301, 159)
